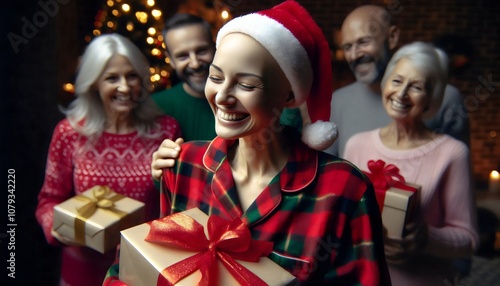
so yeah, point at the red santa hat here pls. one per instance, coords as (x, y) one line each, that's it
(292, 37)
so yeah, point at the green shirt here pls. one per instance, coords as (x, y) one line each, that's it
(292, 117)
(193, 113)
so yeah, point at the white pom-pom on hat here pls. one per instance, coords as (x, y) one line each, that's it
(320, 134)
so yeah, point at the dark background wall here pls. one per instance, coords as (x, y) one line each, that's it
(31, 78)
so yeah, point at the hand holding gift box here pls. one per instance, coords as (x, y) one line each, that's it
(397, 199)
(177, 251)
(95, 218)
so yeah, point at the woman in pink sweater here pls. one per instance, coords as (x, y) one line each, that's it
(108, 137)
(412, 90)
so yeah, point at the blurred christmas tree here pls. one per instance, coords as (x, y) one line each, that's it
(142, 22)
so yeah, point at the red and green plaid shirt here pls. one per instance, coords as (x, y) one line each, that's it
(320, 211)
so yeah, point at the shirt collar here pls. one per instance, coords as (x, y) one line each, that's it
(297, 174)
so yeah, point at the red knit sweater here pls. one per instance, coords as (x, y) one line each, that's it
(74, 165)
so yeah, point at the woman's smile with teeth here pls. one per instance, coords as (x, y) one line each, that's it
(398, 104)
(121, 98)
(231, 116)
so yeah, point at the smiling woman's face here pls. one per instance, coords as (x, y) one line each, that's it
(118, 86)
(405, 95)
(246, 88)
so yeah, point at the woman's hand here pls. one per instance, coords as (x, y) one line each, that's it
(398, 251)
(64, 239)
(165, 156)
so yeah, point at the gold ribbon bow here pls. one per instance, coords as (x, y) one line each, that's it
(102, 198)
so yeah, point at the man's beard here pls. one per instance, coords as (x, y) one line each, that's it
(377, 73)
(198, 86)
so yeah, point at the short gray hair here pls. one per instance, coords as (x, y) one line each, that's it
(430, 60)
(86, 113)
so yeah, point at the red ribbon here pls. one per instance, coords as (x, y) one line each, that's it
(384, 177)
(228, 240)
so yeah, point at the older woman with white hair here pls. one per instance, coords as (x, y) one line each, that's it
(412, 90)
(107, 138)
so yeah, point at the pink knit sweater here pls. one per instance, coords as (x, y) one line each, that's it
(442, 168)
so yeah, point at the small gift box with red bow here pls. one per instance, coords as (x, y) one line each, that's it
(96, 217)
(190, 248)
(397, 199)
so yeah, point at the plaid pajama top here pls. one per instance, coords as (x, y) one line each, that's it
(320, 211)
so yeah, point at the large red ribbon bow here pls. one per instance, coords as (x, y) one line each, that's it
(384, 177)
(228, 240)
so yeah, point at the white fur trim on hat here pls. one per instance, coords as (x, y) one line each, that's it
(291, 57)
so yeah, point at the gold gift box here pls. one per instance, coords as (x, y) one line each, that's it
(96, 217)
(142, 261)
(400, 207)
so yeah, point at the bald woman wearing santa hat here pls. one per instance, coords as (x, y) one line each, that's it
(318, 210)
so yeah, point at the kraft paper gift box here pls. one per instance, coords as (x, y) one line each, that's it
(96, 217)
(398, 200)
(141, 261)
(399, 209)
